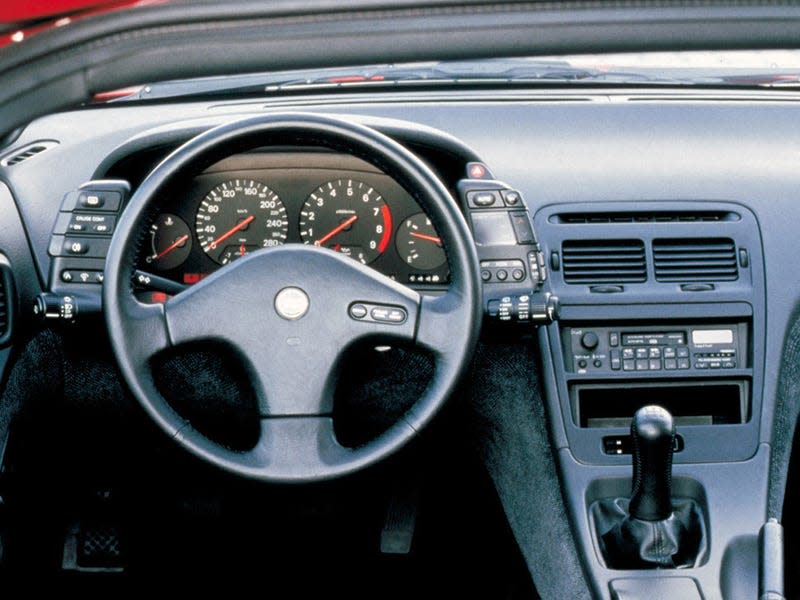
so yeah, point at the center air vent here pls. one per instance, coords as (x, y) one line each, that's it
(603, 261)
(688, 260)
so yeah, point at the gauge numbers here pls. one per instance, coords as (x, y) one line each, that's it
(348, 216)
(240, 216)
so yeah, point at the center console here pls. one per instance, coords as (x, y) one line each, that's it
(660, 304)
(642, 305)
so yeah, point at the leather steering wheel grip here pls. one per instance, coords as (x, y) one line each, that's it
(293, 381)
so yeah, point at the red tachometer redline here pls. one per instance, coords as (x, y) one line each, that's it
(387, 228)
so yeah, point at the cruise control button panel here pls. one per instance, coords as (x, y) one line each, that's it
(377, 313)
(82, 234)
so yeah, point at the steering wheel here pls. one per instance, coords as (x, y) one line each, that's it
(291, 312)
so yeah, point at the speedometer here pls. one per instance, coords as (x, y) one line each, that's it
(239, 216)
(348, 216)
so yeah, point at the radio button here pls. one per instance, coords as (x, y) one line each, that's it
(670, 364)
(683, 352)
(642, 353)
(655, 364)
(627, 353)
(683, 363)
(669, 352)
(642, 365)
(589, 340)
(655, 352)
(628, 364)
(613, 339)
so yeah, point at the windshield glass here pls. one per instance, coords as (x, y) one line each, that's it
(765, 68)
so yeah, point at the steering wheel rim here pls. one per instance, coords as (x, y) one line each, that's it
(296, 442)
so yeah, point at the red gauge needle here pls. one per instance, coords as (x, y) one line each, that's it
(241, 250)
(171, 247)
(430, 238)
(335, 230)
(231, 231)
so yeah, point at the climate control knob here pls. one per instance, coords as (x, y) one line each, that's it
(589, 340)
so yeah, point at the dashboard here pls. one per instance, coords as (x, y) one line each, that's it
(607, 279)
(230, 313)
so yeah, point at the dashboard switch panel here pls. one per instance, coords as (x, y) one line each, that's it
(82, 234)
(512, 265)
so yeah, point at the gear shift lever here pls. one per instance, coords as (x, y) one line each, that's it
(651, 529)
(653, 435)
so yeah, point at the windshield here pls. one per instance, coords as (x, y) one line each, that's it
(724, 69)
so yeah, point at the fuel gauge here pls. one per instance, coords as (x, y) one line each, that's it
(171, 242)
(418, 243)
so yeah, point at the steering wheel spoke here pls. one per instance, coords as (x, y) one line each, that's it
(435, 320)
(298, 445)
(145, 331)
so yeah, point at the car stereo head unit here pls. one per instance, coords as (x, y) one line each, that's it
(674, 349)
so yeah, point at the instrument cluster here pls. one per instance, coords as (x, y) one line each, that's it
(260, 200)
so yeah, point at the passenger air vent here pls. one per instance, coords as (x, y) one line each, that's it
(29, 151)
(603, 261)
(686, 260)
(580, 218)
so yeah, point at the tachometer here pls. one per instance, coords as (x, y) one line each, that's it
(348, 216)
(239, 216)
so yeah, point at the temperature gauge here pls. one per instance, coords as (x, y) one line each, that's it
(171, 242)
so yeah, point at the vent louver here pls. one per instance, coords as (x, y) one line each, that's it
(580, 218)
(25, 153)
(687, 260)
(603, 261)
(4, 308)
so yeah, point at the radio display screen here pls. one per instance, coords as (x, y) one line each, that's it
(712, 336)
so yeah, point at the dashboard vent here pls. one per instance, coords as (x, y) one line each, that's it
(603, 261)
(581, 218)
(26, 152)
(5, 304)
(712, 259)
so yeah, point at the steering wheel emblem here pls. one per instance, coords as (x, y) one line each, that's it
(291, 303)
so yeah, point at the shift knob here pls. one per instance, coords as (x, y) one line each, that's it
(653, 433)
